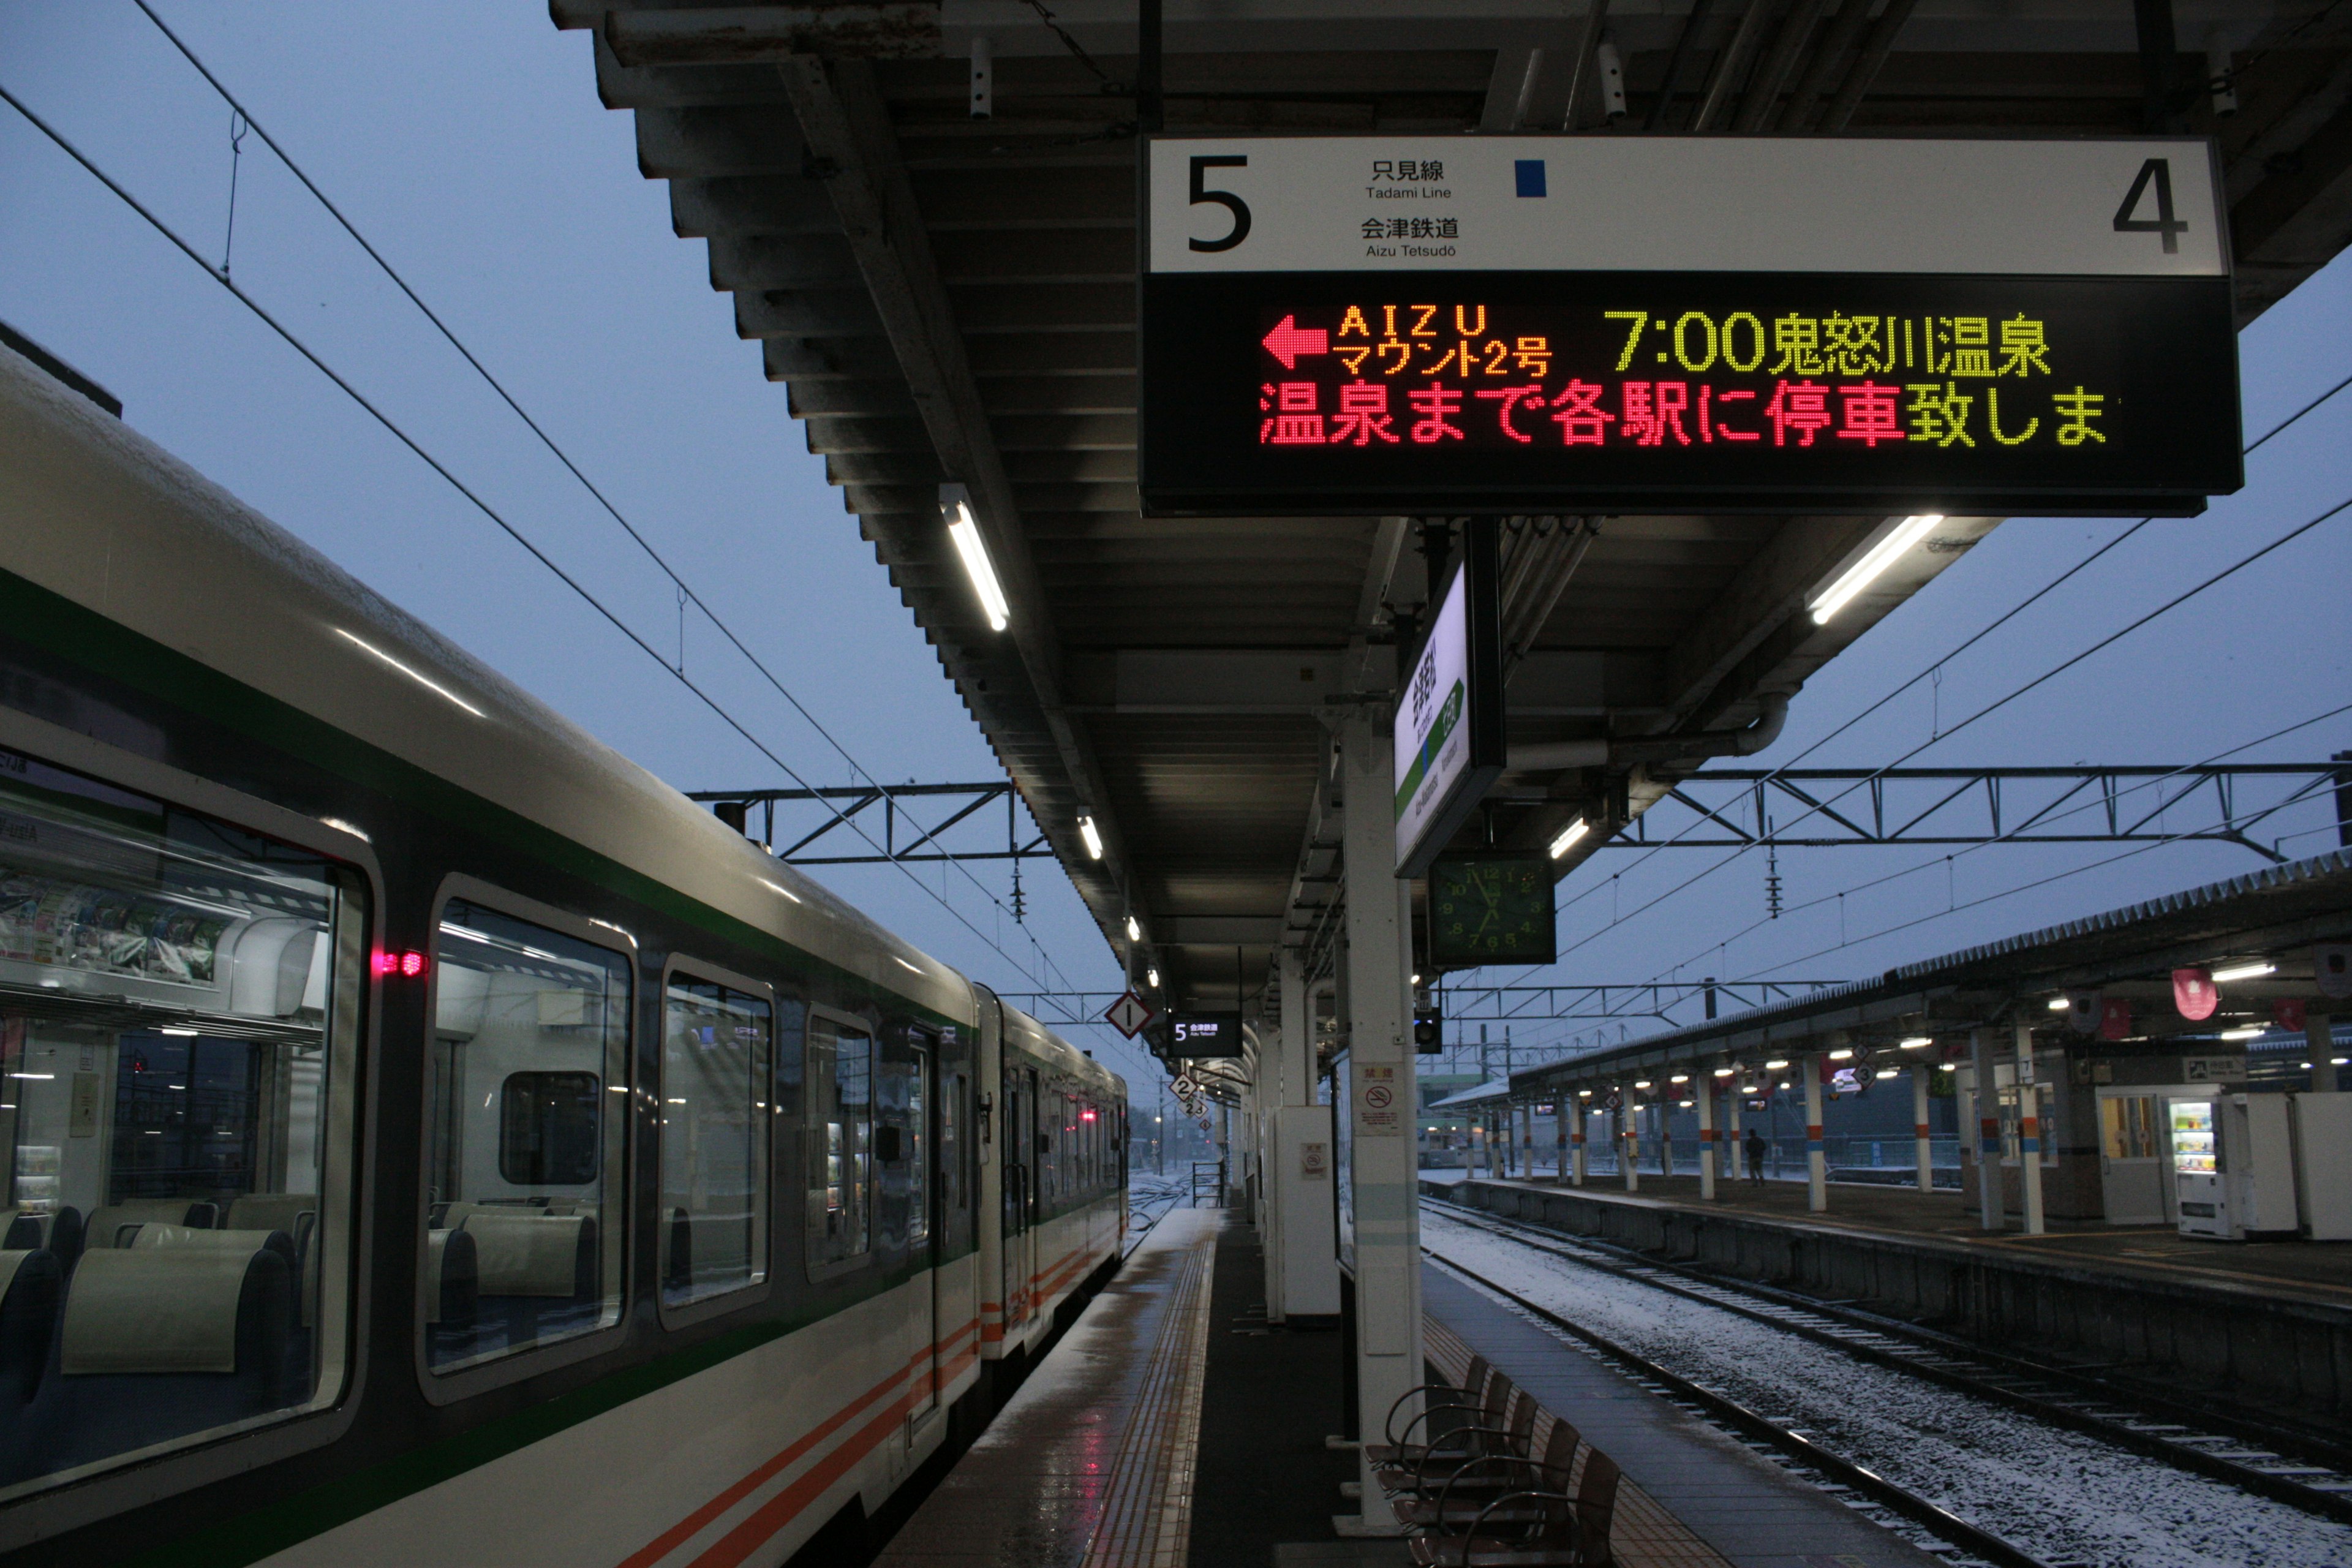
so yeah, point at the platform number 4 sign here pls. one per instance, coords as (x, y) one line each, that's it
(2157, 171)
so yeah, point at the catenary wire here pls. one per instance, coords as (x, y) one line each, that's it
(2000, 702)
(545, 439)
(1930, 865)
(480, 505)
(1970, 641)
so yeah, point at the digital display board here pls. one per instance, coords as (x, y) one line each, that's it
(1193, 1035)
(1447, 733)
(1986, 328)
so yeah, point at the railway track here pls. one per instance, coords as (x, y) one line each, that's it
(2281, 1467)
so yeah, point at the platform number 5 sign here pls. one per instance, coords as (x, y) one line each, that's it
(2157, 171)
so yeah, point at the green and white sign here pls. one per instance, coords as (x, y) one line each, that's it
(1449, 721)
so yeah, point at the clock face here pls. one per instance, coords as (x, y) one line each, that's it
(1491, 909)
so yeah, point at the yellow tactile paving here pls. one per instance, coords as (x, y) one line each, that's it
(1643, 1534)
(1147, 1514)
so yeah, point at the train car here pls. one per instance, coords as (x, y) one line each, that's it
(429, 1135)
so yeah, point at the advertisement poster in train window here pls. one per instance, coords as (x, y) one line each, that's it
(1345, 325)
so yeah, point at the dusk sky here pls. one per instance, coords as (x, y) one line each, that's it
(467, 142)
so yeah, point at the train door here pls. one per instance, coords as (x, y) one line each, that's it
(923, 1220)
(1013, 1203)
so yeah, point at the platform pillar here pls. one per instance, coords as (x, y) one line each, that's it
(1988, 1108)
(1382, 1174)
(1921, 1141)
(1817, 1157)
(1561, 1107)
(1735, 1153)
(1583, 1114)
(2029, 1132)
(1629, 1146)
(1705, 1098)
(2319, 1039)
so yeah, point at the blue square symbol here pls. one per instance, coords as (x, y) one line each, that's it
(1531, 172)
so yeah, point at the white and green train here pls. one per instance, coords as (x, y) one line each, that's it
(429, 1137)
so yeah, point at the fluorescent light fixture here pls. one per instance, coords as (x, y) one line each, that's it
(43, 1075)
(2337, 1061)
(1093, 835)
(2253, 971)
(2247, 1032)
(1888, 1072)
(2058, 1003)
(1776, 1064)
(1568, 835)
(422, 680)
(1915, 1042)
(1682, 1077)
(340, 825)
(1641, 1083)
(1151, 978)
(977, 565)
(1584, 1094)
(175, 1029)
(1949, 1067)
(1416, 980)
(1875, 561)
(1723, 1072)
(1842, 1054)
(1134, 931)
(1685, 1104)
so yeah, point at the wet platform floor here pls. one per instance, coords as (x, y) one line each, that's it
(1173, 1427)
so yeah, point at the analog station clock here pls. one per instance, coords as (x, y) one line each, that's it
(1491, 908)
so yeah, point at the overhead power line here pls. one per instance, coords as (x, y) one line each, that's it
(683, 586)
(402, 436)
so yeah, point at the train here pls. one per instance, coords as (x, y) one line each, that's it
(431, 1136)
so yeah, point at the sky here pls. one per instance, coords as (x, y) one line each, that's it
(467, 142)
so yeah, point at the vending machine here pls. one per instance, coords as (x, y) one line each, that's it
(2234, 1163)
(2197, 1167)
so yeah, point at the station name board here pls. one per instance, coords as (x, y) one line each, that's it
(1494, 363)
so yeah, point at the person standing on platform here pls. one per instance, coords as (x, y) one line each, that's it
(1755, 1148)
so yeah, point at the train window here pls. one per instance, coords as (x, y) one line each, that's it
(904, 1085)
(952, 1180)
(839, 1089)
(524, 1210)
(179, 1019)
(547, 1129)
(716, 1046)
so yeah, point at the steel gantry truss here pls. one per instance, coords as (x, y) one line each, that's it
(819, 822)
(1841, 808)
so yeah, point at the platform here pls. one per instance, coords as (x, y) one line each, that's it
(1691, 1497)
(2266, 1326)
(2321, 1269)
(1173, 1425)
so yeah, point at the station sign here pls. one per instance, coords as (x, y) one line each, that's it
(1448, 733)
(1193, 1035)
(1337, 325)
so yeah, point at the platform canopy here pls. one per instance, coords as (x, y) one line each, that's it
(2263, 937)
(926, 215)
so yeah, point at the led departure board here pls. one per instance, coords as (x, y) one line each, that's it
(1480, 356)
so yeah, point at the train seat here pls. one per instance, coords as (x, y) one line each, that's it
(533, 1254)
(59, 1234)
(30, 1285)
(535, 1275)
(168, 1338)
(296, 1213)
(106, 1224)
(451, 1279)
